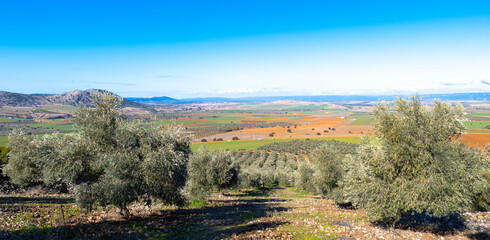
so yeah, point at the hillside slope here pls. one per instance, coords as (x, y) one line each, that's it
(73, 98)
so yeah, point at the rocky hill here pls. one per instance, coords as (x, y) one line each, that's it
(73, 98)
(20, 100)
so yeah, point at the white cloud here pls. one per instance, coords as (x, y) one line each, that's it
(456, 82)
(485, 81)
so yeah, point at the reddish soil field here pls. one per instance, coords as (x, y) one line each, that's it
(309, 128)
(476, 139)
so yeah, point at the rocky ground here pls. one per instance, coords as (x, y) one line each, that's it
(254, 214)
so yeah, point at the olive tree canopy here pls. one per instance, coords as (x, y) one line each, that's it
(415, 163)
(118, 161)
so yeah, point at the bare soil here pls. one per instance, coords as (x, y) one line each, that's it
(269, 213)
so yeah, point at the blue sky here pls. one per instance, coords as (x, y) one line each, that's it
(245, 48)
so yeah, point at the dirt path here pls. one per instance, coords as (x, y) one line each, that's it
(268, 213)
(310, 217)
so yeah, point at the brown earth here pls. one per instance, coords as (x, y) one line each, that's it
(308, 127)
(265, 214)
(476, 139)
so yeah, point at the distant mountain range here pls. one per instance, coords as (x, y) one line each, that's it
(163, 99)
(9, 99)
(319, 98)
(76, 97)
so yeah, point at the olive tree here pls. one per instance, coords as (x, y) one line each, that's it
(211, 171)
(304, 178)
(117, 161)
(482, 199)
(414, 164)
(3, 158)
(329, 170)
(134, 162)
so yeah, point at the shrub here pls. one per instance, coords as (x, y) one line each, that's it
(3, 158)
(328, 162)
(482, 198)
(266, 177)
(3, 154)
(304, 178)
(250, 177)
(270, 162)
(283, 174)
(259, 163)
(204, 140)
(235, 138)
(414, 165)
(291, 162)
(252, 158)
(281, 161)
(22, 168)
(210, 171)
(307, 146)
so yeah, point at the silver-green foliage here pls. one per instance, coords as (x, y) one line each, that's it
(50, 159)
(135, 162)
(414, 164)
(211, 171)
(118, 161)
(291, 162)
(283, 174)
(22, 166)
(304, 178)
(268, 169)
(329, 170)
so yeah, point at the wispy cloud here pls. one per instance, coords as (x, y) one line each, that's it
(448, 82)
(485, 82)
(454, 83)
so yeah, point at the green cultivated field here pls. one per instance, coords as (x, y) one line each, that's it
(481, 113)
(4, 140)
(220, 120)
(253, 144)
(362, 120)
(57, 126)
(476, 124)
(3, 119)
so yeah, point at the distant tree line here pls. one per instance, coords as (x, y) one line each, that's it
(307, 146)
